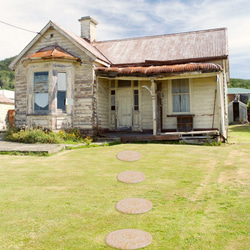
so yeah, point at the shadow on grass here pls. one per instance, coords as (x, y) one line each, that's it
(240, 128)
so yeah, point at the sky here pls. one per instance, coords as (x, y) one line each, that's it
(120, 19)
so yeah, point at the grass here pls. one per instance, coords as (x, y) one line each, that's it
(200, 196)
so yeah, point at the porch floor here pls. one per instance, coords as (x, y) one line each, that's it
(128, 136)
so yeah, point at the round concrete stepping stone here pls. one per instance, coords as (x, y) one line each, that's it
(129, 239)
(129, 155)
(134, 206)
(131, 176)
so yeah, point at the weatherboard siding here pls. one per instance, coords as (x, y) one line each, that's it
(83, 97)
(21, 95)
(204, 102)
(103, 103)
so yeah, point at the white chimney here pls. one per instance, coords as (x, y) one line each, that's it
(88, 28)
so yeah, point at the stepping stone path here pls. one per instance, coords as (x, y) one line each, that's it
(130, 238)
(129, 155)
(131, 177)
(134, 206)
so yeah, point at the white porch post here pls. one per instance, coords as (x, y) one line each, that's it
(221, 105)
(154, 106)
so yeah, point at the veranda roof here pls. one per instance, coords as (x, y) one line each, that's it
(155, 70)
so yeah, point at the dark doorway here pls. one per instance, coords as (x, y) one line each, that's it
(236, 111)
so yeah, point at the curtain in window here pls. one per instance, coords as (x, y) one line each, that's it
(184, 103)
(41, 100)
(180, 95)
(176, 103)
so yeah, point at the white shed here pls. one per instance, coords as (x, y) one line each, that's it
(237, 112)
(6, 104)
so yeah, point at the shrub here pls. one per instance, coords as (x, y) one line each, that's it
(41, 135)
(32, 136)
(87, 140)
(72, 134)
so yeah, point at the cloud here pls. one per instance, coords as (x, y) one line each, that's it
(123, 19)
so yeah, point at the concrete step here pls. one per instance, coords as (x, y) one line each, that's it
(108, 139)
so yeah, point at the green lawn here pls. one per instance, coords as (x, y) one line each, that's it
(200, 196)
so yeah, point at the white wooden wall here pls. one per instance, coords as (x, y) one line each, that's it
(4, 114)
(203, 101)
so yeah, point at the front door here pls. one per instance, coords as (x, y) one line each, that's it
(124, 109)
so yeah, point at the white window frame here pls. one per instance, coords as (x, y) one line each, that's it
(170, 98)
(62, 89)
(42, 97)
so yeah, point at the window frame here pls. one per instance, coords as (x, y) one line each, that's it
(59, 110)
(136, 105)
(180, 93)
(39, 90)
(112, 100)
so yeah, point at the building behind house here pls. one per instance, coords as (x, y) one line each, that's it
(6, 108)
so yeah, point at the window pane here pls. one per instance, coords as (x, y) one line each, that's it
(180, 95)
(61, 98)
(176, 103)
(124, 83)
(136, 100)
(41, 80)
(112, 101)
(61, 82)
(184, 86)
(185, 103)
(41, 101)
(175, 86)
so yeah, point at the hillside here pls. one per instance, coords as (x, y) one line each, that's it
(239, 83)
(7, 77)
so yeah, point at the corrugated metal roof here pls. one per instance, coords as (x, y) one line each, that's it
(191, 45)
(5, 100)
(238, 91)
(53, 51)
(179, 68)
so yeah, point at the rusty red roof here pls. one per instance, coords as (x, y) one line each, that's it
(5, 100)
(54, 52)
(202, 45)
(179, 68)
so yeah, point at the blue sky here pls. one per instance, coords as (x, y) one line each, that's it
(123, 19)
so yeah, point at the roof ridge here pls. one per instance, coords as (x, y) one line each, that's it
(163, 35)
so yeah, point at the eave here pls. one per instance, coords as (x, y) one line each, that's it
(158, 71)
